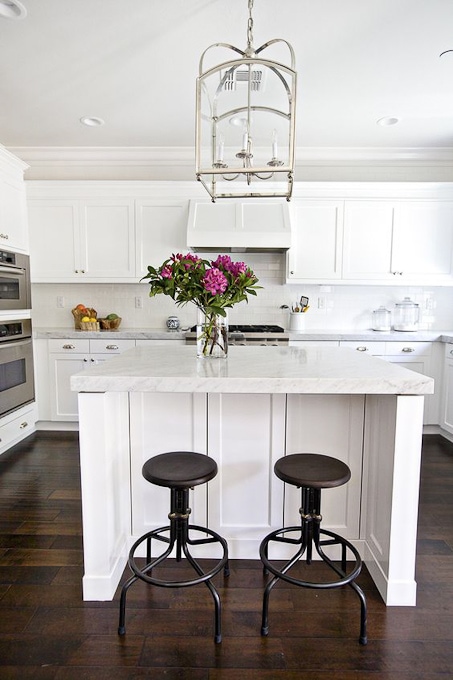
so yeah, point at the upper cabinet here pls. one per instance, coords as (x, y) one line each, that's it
(86, 233)
(317, 234)
(13, 208)
(73, 240)
(382, 239)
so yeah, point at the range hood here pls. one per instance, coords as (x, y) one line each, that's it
(239, 226)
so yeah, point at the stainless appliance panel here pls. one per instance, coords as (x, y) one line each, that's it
(14, 281)
(16, 365)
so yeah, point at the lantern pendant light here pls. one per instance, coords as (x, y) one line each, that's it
(245, 121)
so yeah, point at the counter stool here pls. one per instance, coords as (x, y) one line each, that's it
(179, 471)
(312, 472)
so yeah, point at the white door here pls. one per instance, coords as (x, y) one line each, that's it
(54, 240)
(368, 235)
(161, 231)
(108, 238)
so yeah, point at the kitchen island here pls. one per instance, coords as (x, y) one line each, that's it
(246, 412)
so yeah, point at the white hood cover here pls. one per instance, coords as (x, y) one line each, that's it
(239, 226)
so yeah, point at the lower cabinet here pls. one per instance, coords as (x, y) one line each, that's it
(446, 409)
(246, 434)
(16, 426)
(70, 356)
(415, 356)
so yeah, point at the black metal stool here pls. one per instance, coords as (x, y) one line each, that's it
(312, 472)
(179, 471)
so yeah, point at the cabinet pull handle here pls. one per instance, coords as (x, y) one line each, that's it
(68, 346)
(408, 349)
(111, 347)
(23, 425)
(361, 349)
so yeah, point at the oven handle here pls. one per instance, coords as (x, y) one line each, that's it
(15, 343)
(11, 269)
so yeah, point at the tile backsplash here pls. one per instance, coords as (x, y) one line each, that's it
(331, 307)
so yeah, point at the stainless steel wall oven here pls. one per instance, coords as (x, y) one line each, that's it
(14, 281)
(17, 386)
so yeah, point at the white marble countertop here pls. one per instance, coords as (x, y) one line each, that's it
(309, 334)
(315, 370)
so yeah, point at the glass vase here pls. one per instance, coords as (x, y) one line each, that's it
(212, 336)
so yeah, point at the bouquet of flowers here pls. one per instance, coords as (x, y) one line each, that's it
(212, 286)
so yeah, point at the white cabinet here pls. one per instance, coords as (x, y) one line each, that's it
(398, 241)
(82, 240)
(160, 231)
(317, 239)
(415, 356)
(446, 417)
(13, 209)
(70, 356)
(16, 426)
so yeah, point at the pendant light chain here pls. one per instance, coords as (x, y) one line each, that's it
(250, 27)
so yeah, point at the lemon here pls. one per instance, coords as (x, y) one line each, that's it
(85, 319)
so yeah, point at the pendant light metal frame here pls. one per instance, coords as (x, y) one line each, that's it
(211, 170)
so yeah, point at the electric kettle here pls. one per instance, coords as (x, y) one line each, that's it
(406, 315)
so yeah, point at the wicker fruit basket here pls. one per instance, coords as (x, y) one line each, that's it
(79, 314)
(110, 324)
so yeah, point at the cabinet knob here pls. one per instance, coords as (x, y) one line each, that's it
(361, 349)
(23, 425)
(291, 272)
(92, 360)
(451, 351)
(82, 271)
(397, 273)
(68, 346)
(4, 236)
(85, 361)
(111, 347)
(408, 349)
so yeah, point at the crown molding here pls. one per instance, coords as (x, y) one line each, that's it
(185, 156)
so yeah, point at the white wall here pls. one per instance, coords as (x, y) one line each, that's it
(345, 307)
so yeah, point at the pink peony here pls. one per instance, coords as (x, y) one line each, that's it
(214, 281)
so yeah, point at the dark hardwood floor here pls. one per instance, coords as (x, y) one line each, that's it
(48, 632)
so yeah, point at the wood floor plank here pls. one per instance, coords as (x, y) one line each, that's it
(47, 631)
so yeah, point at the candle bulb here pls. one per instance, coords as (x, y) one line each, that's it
(274, 144)
(220, 149)
(245, 141)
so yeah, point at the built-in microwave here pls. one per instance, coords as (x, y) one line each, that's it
(14, 281)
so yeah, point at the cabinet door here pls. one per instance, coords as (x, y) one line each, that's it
(107, 239)
(161, 231)
(54, 240)
(446, 418)
(423, 239)
(13, 214)
(63, 404)
(368, 234)
(317, 240)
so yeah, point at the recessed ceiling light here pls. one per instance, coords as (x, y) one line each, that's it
(12, 9)
(92, 121)
(388, 120)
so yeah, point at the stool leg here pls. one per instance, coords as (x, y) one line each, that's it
(124, 589)
(214, 593)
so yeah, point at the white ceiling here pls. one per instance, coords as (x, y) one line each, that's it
(134, 63)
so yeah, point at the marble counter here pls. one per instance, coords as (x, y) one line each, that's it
(315, 370)
(309, 334)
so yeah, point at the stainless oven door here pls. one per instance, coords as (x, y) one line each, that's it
(14, 287)
(16, 375)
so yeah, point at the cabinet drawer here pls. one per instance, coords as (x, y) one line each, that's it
(16, 429)
(70, 346)
(408, 348)
(110, 346)
(373, 347)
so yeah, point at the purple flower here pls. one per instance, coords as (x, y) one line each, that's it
(238, 268)
(167, 272)
(214, 281)
(223, 262)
